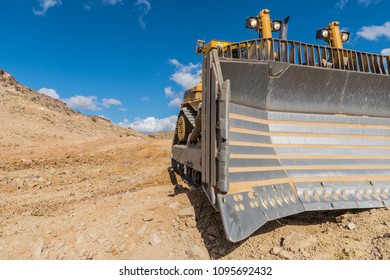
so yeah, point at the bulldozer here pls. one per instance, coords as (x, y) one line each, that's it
(279, 127)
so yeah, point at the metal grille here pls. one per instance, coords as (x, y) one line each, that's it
(307, 54)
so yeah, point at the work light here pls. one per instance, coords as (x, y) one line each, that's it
(322, 34)
(276, 25)
(345, 36)
(252, 23)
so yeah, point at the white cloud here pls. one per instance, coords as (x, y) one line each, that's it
(151, 124)
(185, 76)
(111, 2)
(385, 51)
(176, 102)
(107, 102)
(45, 5)
(185, 80)
(124, 123)
(143, 7)
(367, 3)
(175, 62)
(83, 102)
(341, 4)
(169, 93)
(49, 92)
(176, 98)
(374, 32)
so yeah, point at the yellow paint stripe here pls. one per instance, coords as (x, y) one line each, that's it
(249, 185)
(246, 156)
(295, 134)
(309, 146)
(325, 167)
(268, 122)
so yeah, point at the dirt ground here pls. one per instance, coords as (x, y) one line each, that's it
(79, 187)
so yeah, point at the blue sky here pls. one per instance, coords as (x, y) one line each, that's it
(130, 60)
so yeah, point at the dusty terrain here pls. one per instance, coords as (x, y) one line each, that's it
(79, 187)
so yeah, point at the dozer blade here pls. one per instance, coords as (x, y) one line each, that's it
(280, 138)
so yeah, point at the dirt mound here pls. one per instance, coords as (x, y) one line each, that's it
(32, 119)
(79, 187)
(11, 88)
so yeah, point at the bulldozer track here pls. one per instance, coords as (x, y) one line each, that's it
(190, 115)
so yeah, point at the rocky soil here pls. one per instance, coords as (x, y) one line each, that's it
(79, 187)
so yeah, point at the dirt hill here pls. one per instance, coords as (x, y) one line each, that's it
(79, 187)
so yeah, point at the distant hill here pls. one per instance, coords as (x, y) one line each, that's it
(29, 118)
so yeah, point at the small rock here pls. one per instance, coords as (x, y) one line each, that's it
(275, 250)
(286, 255)
(187, 212)
(194, 252)
(183, 234)
(222, 252)
(101, 240)
(60, 256)
(154, 240)
(306, 255)
(344, 218)
(18, 182)
(28, 213)
(147, 217)
(142, 230)
(386, 235)
(211, 238)
(82, 253)
(93, 234)
(323, 256)
(175, 223)
(213, 231)
(32, 184)
(191, 223)
(26, 161)
(351, 226)
(174, 205)
(39, 247)
(40, 179)
(296, 242)
(214, 256)
(80, 239)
